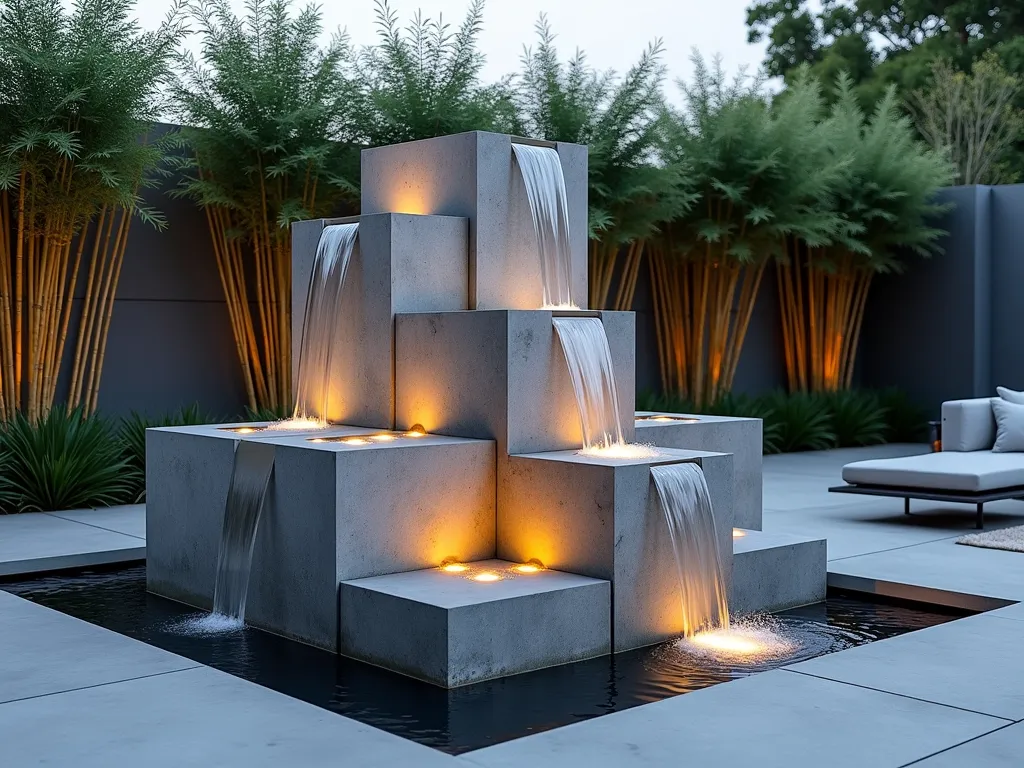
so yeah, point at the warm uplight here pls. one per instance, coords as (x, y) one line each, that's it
(726, 643)
(355, 441)
(487, 576)
(738, 533)
(383, 437)
(531, 566)
(244, 430)
(622, 451)
(318, 440)
(300, 423)
(416, 430)
(454, 568)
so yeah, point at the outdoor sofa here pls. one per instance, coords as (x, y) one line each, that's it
(982, 459)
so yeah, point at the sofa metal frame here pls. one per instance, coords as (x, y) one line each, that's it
(979, 498)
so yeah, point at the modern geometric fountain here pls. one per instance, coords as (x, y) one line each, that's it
(455, 439)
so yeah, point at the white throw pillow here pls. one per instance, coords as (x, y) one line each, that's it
(1009, 426)
(1010, 396)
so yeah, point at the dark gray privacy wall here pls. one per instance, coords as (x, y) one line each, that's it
(953, 326)
(170, 340)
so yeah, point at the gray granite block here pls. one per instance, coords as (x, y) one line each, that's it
(776, 571)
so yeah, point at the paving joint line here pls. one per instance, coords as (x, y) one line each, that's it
(959, 744)
(100, 685)
(93, 525)
(895, 549)
(893, 693)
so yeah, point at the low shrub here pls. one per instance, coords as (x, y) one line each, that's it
(132, 437)
(64, 461)
(813, 421)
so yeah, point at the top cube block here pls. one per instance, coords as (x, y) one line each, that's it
(475, 175)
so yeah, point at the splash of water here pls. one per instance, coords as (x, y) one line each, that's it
(545, 189)
(751, 641)
(320, 322)
(585, 345)
(250, 476)
(622, 451)
(686, 503)
(300, 424)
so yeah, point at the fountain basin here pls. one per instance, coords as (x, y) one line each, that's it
(599, 517)
(334, 511)
(742, 437)
(458, 630)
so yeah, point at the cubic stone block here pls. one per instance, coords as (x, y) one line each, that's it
(776, 571)
(450, 630)
(334, 511)
(601, 518)
(474, 175)
(741, 437)
(501, 374)
(402, 263)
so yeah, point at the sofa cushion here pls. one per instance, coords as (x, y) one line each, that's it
(968, 425)
(1010, 396)
(943, 471)
(1009, 426)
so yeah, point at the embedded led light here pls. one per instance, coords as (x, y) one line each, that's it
(487, 576)
(355, 441)
(383, 437)
(416, 430)
(530, 566)
(318, 440)
(244, 430)
(454, 568)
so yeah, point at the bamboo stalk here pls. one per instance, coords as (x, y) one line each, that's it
(6, 276)
(85, 321)
(117, 258)
(18, 289)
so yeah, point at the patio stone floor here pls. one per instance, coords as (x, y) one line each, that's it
(75, 694)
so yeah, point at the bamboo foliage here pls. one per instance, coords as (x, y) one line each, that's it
(756, 175)
(77, 93)
(622, 121)
(883, 195)
(270, 141)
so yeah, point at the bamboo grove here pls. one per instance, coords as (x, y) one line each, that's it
(697, 202)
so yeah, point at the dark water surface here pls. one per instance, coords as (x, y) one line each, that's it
(464, 718)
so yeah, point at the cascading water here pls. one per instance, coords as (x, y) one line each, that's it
(686, 504)
(319, 325)
(545, 189)
(585, 345)
(250, 476)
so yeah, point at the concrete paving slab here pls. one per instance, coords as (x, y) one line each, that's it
(35, 542)
(129, 519)
(1001, 749)
(1015, 612)
(825, 463)
(773, 719)
(973, 663)
(44, 652)
(942, 565)
(198, 717)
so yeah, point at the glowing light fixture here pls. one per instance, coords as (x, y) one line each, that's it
(416, 430)
(244, 430)
(738, 533)
(355, 441)
(728, 643)
(487, 576)
(455, 568)
(531, 566)
(318, 440)
(383, 437)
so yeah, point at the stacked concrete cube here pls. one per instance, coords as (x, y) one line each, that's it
(401, 263)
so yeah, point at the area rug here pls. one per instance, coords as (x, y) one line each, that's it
(1010, 539)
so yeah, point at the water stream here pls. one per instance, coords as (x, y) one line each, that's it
(545, 189)
(686, 504)
(320, 322)
(250, 476)
(585, 345)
